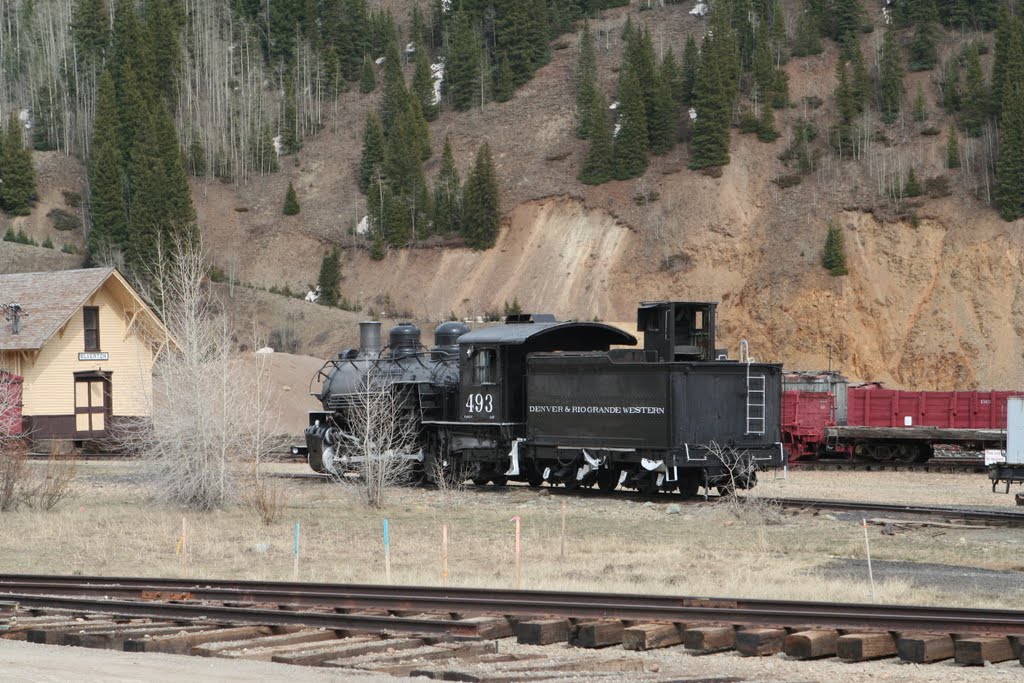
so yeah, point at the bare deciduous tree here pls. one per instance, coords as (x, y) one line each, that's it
(380, 440)
(210, 411)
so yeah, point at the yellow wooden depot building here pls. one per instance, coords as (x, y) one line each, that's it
(85, 349)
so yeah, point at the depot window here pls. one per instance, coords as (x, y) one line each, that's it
(485, 366)
(91, 318)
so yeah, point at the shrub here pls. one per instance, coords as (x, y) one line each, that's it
(834, 256)
(72, 199)
(47, 243)
(63, 220)
(787, 181)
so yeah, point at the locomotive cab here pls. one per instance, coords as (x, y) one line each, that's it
(678, 330)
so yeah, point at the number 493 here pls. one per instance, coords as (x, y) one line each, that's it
(480, 403)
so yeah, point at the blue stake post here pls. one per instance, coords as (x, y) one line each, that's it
(295, 568)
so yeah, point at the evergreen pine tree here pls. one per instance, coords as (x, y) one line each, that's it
(661, 125)
(91, 30)
(418, 31)
(766, 131)
(291, 201)
(911, 188)
(447, 195)
(373, 151)
(860, 82)
(420, 129)
(481, 210)
(834, 256)
(952, 149)
(1010, 164)
(352, 36)
(630, 146)
(395, 96)
(18, 187)
(691, 62)
(1008, 64)
(512, 36)
(367, 79)
(672, 76)
(402, 153)
(890, 79)
(974, 107)
(462, 76)
(599, 164)
(847, 18)
(423, 85)
(713, 100)
(503, 80)
(950, 86)
(842, 135)
(330, 275)
(586, 83)
(807, 39)
(923, 52)
(163, 30)
(106, 165)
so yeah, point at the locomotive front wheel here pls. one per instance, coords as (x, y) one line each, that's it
(479, 481)
(499, 481)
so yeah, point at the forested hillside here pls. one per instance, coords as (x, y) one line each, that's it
(830, 160)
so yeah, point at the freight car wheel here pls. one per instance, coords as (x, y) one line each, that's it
(499, 481)
(688, 486)
(479, 481)
(607, 479)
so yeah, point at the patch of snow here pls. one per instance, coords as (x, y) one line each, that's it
(410, 48)
(614, 105)
(265, 349)
(446, 5)
(378, 61)
(693, 114)
(885, 15)
(25, 116)
(277, 145)
(313, 294)
(618, 127)
(362, 227)
(437, 74)
(700, 9)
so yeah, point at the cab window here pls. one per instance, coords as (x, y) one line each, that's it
(485, 366)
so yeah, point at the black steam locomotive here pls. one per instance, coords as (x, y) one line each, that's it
(538, 400)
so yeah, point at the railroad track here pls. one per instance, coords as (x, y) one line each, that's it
(963, 515)
(939, 465)
(450, 632)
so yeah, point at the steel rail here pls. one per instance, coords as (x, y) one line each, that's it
(546, 603)
(1006, 518)
(828, 616)
(243, 615)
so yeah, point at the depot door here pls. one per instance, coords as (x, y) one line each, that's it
(92, 404)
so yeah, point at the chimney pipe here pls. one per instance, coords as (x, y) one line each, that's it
(369, 338)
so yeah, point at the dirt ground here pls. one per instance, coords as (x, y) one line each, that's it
(113, 527)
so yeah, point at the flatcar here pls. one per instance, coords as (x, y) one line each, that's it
(570, 403)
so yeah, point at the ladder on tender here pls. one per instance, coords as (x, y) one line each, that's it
(756, 392)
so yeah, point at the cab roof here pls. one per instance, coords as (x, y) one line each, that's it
(555, 336)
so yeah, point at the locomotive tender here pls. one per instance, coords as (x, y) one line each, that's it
(538, 400)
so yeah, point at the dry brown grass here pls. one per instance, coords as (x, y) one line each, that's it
(611, 545)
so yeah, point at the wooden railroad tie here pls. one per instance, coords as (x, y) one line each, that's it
(597, 633)
(861, 647)
(652, 636)
(707, 639)
(924, 648)
(262, 648)
(977, 651)
(348, 649)
(760, 642)
(811, 644)
(183, 644)
(543, 632)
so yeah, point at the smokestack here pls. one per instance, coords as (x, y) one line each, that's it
(369, 338)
